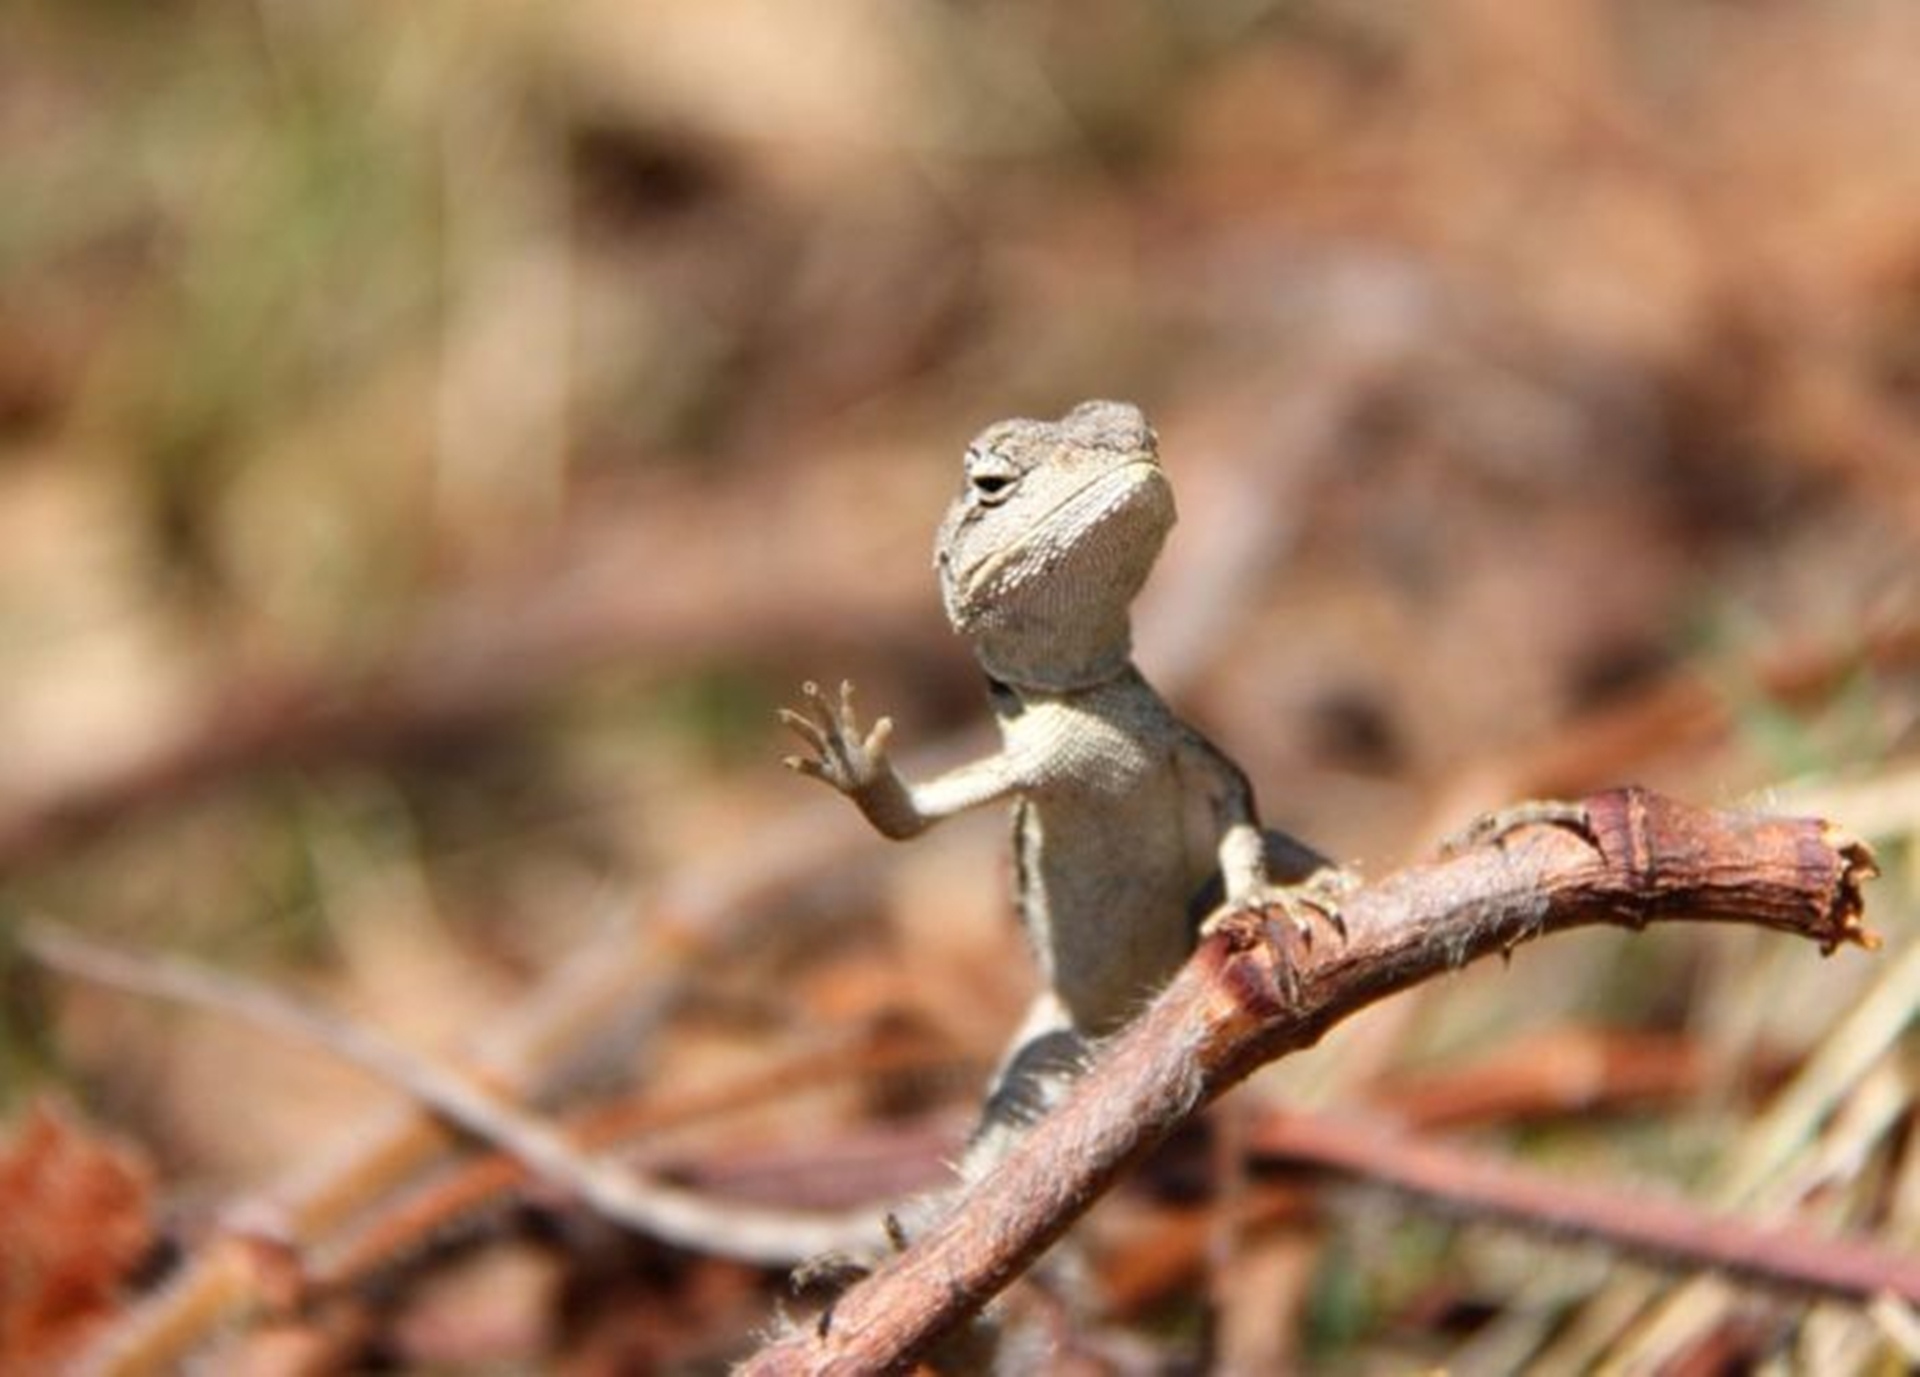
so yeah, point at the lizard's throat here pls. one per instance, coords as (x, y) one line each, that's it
(1045, 655)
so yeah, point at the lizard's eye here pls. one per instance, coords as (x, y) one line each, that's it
(990, 478)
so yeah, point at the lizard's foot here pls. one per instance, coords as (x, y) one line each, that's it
(1314, 901)
(1289, 916)
(831, 1272)
(834, 1273)
(842, 755)
(1493, 827)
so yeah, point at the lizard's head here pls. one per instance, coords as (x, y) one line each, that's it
(1055, 528)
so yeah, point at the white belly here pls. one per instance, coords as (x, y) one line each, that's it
(1108, 859)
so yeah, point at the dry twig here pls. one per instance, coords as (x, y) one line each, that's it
(1664, 1230)
(683, 1217)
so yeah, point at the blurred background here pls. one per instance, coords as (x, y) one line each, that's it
(435, 438)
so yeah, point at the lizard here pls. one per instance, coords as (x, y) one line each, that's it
(1128, 823)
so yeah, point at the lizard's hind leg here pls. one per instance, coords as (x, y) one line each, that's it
(1046, 1056)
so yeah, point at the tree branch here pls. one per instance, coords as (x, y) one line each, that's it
(1247, 997)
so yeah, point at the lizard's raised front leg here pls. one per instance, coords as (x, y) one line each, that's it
(856, 764)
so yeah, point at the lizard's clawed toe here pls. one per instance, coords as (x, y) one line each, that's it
(804, 727)
(1320, 897)
(1290, 917)
(840, 753)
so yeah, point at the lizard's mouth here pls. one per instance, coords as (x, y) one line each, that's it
(1096, 544)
